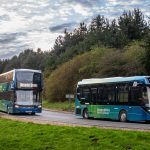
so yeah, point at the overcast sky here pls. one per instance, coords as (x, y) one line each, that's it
(36, 23)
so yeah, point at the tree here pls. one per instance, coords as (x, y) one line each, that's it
(146, 60)
(98, 23)
(115, 37)
(115, 63)
(132, 24)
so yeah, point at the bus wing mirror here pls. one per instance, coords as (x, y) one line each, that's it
(12, 85)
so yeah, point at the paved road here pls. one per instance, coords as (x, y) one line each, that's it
(62, 118)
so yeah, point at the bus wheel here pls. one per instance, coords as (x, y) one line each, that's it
(33, 113)
(123, 116)
(85, 114)
(147, 121)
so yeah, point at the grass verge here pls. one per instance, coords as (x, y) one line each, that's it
(18, 135)
(63, 106)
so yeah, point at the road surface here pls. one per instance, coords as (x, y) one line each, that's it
(63, 118)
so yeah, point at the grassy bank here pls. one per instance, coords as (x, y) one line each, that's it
(18, 135)
(63, 106)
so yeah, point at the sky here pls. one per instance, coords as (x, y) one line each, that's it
(37, 23)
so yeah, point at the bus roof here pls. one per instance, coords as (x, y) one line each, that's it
(113, 80)
(38, 71)
(32, 70)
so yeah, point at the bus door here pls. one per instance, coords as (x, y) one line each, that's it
(135, 100)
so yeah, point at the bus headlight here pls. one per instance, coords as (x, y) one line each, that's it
(39, 106)
(148, 109)
(17, 106)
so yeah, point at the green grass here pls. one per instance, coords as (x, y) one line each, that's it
(64, 106)
(28, 136)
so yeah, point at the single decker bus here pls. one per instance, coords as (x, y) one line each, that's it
(21, 91)
(117, 98)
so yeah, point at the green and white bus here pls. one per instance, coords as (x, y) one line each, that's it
(21, 91)
(117, 98)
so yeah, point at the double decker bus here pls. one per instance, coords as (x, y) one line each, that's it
(117, 98)
(21, 91)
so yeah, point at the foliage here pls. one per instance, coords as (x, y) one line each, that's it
(133, 24)
(63, 79)
(99, 62)
(146, 60)
(127, 62)
(26, 59)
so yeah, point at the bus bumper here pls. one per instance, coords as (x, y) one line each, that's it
(148, 116)
(27, 110)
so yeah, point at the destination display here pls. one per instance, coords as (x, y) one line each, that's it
(27, 85)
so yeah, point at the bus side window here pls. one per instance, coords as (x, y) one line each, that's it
(100, 95)
(111, 94)
(105, 95)
(136, 96)
(123, 94)
(93, 95)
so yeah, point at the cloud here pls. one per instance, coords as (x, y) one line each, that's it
(85, 3)
(32, 24)
(43, 40)
(4, 39)
(84, 11)
(4, 18)
(125, 4)
(61, 27)
(10, 37)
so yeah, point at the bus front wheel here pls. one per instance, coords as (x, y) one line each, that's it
(85, 114)
(123, 116)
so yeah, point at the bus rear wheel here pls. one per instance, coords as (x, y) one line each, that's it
(123, 116)
(85, 114)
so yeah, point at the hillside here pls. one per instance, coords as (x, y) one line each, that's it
(99, 62)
